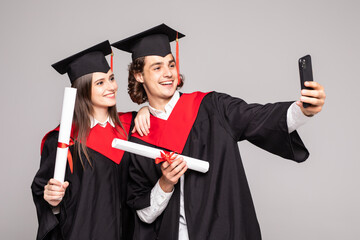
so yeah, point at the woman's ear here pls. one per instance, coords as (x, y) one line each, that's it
(139, 77)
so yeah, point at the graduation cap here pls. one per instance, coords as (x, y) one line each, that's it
(154, 41)
(88, 61)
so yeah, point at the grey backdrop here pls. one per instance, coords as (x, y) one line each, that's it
(247, 49)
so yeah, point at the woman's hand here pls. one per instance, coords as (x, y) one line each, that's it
(54, 191)
(171, 173)
(142, 122)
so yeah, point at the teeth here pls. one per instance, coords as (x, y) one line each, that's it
(166, 83)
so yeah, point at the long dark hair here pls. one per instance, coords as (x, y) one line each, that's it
(82, 112)
(136, 89)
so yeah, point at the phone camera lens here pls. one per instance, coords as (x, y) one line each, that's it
(303, 63)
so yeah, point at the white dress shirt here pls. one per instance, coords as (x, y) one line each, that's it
(159, 199)
(94, 122)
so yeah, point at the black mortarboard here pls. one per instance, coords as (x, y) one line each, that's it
(154, 41)
(88, 61)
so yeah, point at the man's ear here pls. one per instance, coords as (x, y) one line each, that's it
(139, 77)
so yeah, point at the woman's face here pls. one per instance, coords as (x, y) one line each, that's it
(103, 90)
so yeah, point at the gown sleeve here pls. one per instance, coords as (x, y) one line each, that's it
(144, 175)
(263, 125)
(49, 227)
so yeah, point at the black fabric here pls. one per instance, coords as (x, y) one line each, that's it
(88, 61)
(94, 205)
(218, 204)
(154, 41)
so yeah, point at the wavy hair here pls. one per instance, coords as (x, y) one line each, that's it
(136, 89)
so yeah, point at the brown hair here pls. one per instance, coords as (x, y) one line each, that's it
(136, 89)
(82, 112)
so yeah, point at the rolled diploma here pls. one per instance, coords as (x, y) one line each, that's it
(64, 132)
(150, 152)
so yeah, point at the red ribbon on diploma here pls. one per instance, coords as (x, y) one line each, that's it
(166, 156)
(64, 145)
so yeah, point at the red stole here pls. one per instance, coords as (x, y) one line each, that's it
(172, 133)
(100, 138)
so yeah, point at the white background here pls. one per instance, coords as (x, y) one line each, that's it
(248, 49)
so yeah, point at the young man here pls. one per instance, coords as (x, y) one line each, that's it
(207, 126)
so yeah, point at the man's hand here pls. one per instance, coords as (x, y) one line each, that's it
(315, 96)
(142, 122)
(171, 173)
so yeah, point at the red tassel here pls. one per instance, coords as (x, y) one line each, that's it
(177, 59)
(112, 61)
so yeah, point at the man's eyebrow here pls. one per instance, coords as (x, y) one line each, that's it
(156, 63)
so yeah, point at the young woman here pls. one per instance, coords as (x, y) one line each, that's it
(90, 204)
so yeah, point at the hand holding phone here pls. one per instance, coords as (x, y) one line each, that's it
(306, 74)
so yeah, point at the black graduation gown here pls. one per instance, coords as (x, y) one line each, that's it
(94, 205)
(218, 204)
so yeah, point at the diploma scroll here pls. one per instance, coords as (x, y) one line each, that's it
(64, 133)
(150, 152)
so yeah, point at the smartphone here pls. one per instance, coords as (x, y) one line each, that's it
(306, 74)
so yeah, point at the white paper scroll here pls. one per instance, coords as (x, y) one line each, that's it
(64, 133)
(150, 152)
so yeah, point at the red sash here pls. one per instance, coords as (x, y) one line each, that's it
(100, 139)
(172, 134)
